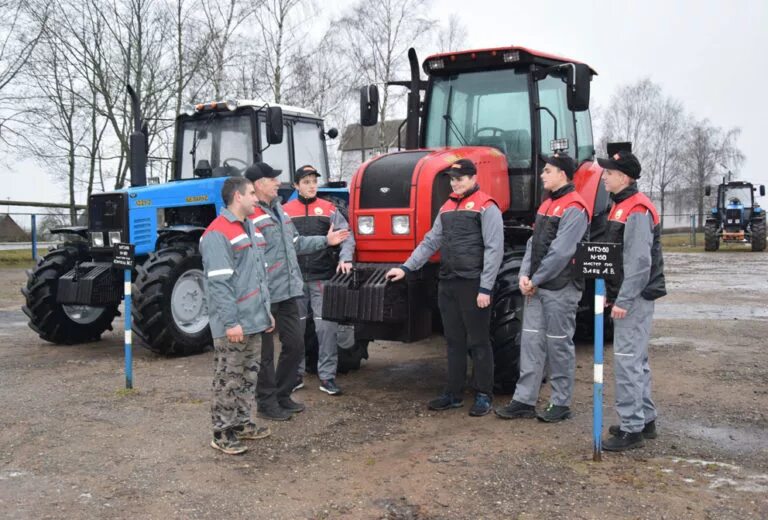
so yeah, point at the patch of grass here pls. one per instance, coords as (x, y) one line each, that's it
(126, 392)
(681, 243)
(20, 257)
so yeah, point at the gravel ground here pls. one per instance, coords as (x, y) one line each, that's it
(74, 444)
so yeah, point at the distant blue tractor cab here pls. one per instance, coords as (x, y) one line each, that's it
(73, 294)
(736, 217)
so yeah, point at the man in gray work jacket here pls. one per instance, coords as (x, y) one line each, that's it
(282, 242)
(634, 223)
(469, 233)
(238, 310)
(313, 216)
(552, 290)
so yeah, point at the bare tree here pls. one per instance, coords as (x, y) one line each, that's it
(707, 147)
(379, 33)
(453, 36)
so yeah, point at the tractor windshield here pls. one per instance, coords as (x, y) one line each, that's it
(487, 108)
(734, 195)
(216, 145)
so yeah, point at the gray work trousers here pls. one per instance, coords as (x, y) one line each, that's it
(632, 373)
(549, 321)
(330, 335)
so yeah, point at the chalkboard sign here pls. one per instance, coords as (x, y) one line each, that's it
(597, 260)
(123, 255)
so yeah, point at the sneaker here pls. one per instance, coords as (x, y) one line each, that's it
(329, 387)
(649, 431)
(251, 432)
(445, 402)
(227, 442)
(274, 412)
(554, 413)
(291, 405)
(516, 410)
(624, 441)
(299, 384)
(482, 405)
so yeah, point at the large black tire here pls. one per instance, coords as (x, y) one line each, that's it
(758, 235)
(506, 334)
(171, 277)
(54, 322)
(711, 240)
(350, 358)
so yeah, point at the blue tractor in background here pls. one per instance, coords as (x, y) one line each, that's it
(73, 293)
(736, 217)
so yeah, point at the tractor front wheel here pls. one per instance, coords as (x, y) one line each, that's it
(55, 322)
(711, 240)
(758, 235)
(169, 313)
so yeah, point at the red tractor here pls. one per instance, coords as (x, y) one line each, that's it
(502, 108)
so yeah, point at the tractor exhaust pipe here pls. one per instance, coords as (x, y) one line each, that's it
(138, 143)
(412, 120)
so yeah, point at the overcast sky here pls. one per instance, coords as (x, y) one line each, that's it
(710, 55)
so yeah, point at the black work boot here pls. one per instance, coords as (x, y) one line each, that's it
(516, 410)
(624, 441)
(274, 412)
(649, 431)
(292, 406)
(554, 413)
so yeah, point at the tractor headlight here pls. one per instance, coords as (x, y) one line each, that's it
(365, 225)
(115, 237)
(401, 225)
(97, 238)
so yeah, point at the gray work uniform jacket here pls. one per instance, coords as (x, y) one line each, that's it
(281, 242)
(236, 289)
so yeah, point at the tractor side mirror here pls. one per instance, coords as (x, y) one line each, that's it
(274, 125)
(332, 133)
(762, 190)
(707, 190)
(578, 80)
(369, 105)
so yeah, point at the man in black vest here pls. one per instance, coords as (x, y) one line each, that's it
(469, 233)
(548, 281)
(634, 223)
(313, 216)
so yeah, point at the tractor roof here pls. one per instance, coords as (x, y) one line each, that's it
(255, 103)
(496, 57)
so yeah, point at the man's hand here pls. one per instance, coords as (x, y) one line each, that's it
(271, 327)
(483, 300)
(526, 286)
(235, 334)
(344, 267)
(618, 313)
(336, 237)
(395, 274)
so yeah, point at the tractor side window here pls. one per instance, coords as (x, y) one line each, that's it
(277, 155)
(586, 145)
(552, 94)
(309, 147)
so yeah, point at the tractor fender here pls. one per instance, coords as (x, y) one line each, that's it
(81, 231)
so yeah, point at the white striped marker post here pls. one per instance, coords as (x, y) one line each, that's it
(597, 392)
(128, 347)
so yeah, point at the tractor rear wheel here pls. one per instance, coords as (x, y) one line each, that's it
(169, 313)
(711, 240)
(56, 322)
(506, 333)
(758, 235)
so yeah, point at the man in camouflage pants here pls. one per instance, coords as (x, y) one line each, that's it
(238, 308)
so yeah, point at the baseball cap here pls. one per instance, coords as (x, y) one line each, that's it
(624, 162)
(461, 167)
(303, 171)
(260, 170)
(563, 161)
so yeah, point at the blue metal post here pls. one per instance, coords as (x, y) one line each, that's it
(597, 393)
(34, 237)
(128, 349)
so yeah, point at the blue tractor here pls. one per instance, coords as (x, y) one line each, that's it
(73, 293)
(736, 218)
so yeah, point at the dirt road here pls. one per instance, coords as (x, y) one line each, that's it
(74, 445)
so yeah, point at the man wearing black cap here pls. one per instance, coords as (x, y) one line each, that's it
(469, 233)
(634, 223)
(552, 289)
(313, 216)
(281, 242)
